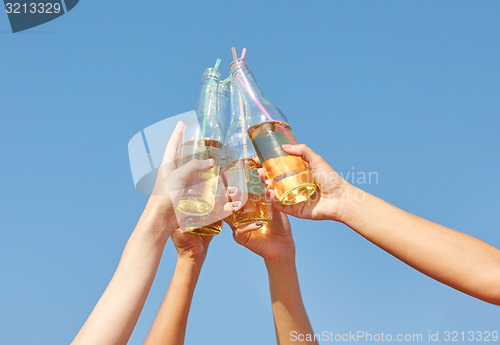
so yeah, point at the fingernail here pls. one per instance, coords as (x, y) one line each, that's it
(231, 190)
(212, 162)
(259, 223)
(286, 146)
(254, 157)
(236, 204)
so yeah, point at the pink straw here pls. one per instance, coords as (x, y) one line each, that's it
(252, 95)
(254, 98)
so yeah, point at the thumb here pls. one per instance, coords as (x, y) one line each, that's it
(195, 165)
(241, 233)
(304, 152)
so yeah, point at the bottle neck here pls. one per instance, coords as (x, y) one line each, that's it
(239, 145)
(257, 106)
(243, 77)
(224, 88)
(208, 99)
(224, 91)
(237, 107)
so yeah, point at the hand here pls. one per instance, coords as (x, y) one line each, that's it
(274, 242)
(171, 181)
(327, 201)
(190, 246)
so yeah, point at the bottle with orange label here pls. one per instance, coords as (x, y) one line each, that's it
(268, 130)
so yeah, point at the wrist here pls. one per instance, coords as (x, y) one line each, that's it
(280, 261)
(347, 195)
(158, 216)
(350, 199)
(189, 264)
(281, 269)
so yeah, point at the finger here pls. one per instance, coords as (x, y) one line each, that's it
(243, 229)
(173, 143)
(232, 191)
(275, 201)
(262, 174)
(228, 195)
(233, 194)
(293, 210)
(304, 152)
(272, 196)
(231, 207)
(257, 160)
(195, 165)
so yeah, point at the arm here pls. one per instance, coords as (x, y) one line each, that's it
(290, 317)
(115, 314)
(451, 257)
(274, 243)
(169, 326)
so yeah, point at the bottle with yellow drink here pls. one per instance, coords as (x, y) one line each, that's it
(268, 129)
(241, 171)
(202, 140)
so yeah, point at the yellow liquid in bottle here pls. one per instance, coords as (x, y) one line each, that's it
(256, 208)
(199, 193)
(292, 180)
(205, 230)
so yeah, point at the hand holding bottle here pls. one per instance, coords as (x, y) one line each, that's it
(190, 246)
(326, 202)
(273, 242)
(170, 182)
(451, 257)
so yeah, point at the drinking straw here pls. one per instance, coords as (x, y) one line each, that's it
(217, 64)
(256, 101)
(243, 126)
(252, 95)
(242, 108)
(207, 101)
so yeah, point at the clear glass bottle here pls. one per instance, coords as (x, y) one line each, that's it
(268, 129)
(223, 102)
(198, 225)
(207, 225)
(242, 169)
(202, 140)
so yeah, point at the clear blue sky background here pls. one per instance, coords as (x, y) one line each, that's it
(407, 89)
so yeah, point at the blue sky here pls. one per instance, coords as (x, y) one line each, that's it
(406, 89)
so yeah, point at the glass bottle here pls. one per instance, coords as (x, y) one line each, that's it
(223, 102)
(242, 169)
(202, 140)
(268, 129)
(198, 225)
(210, 224)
